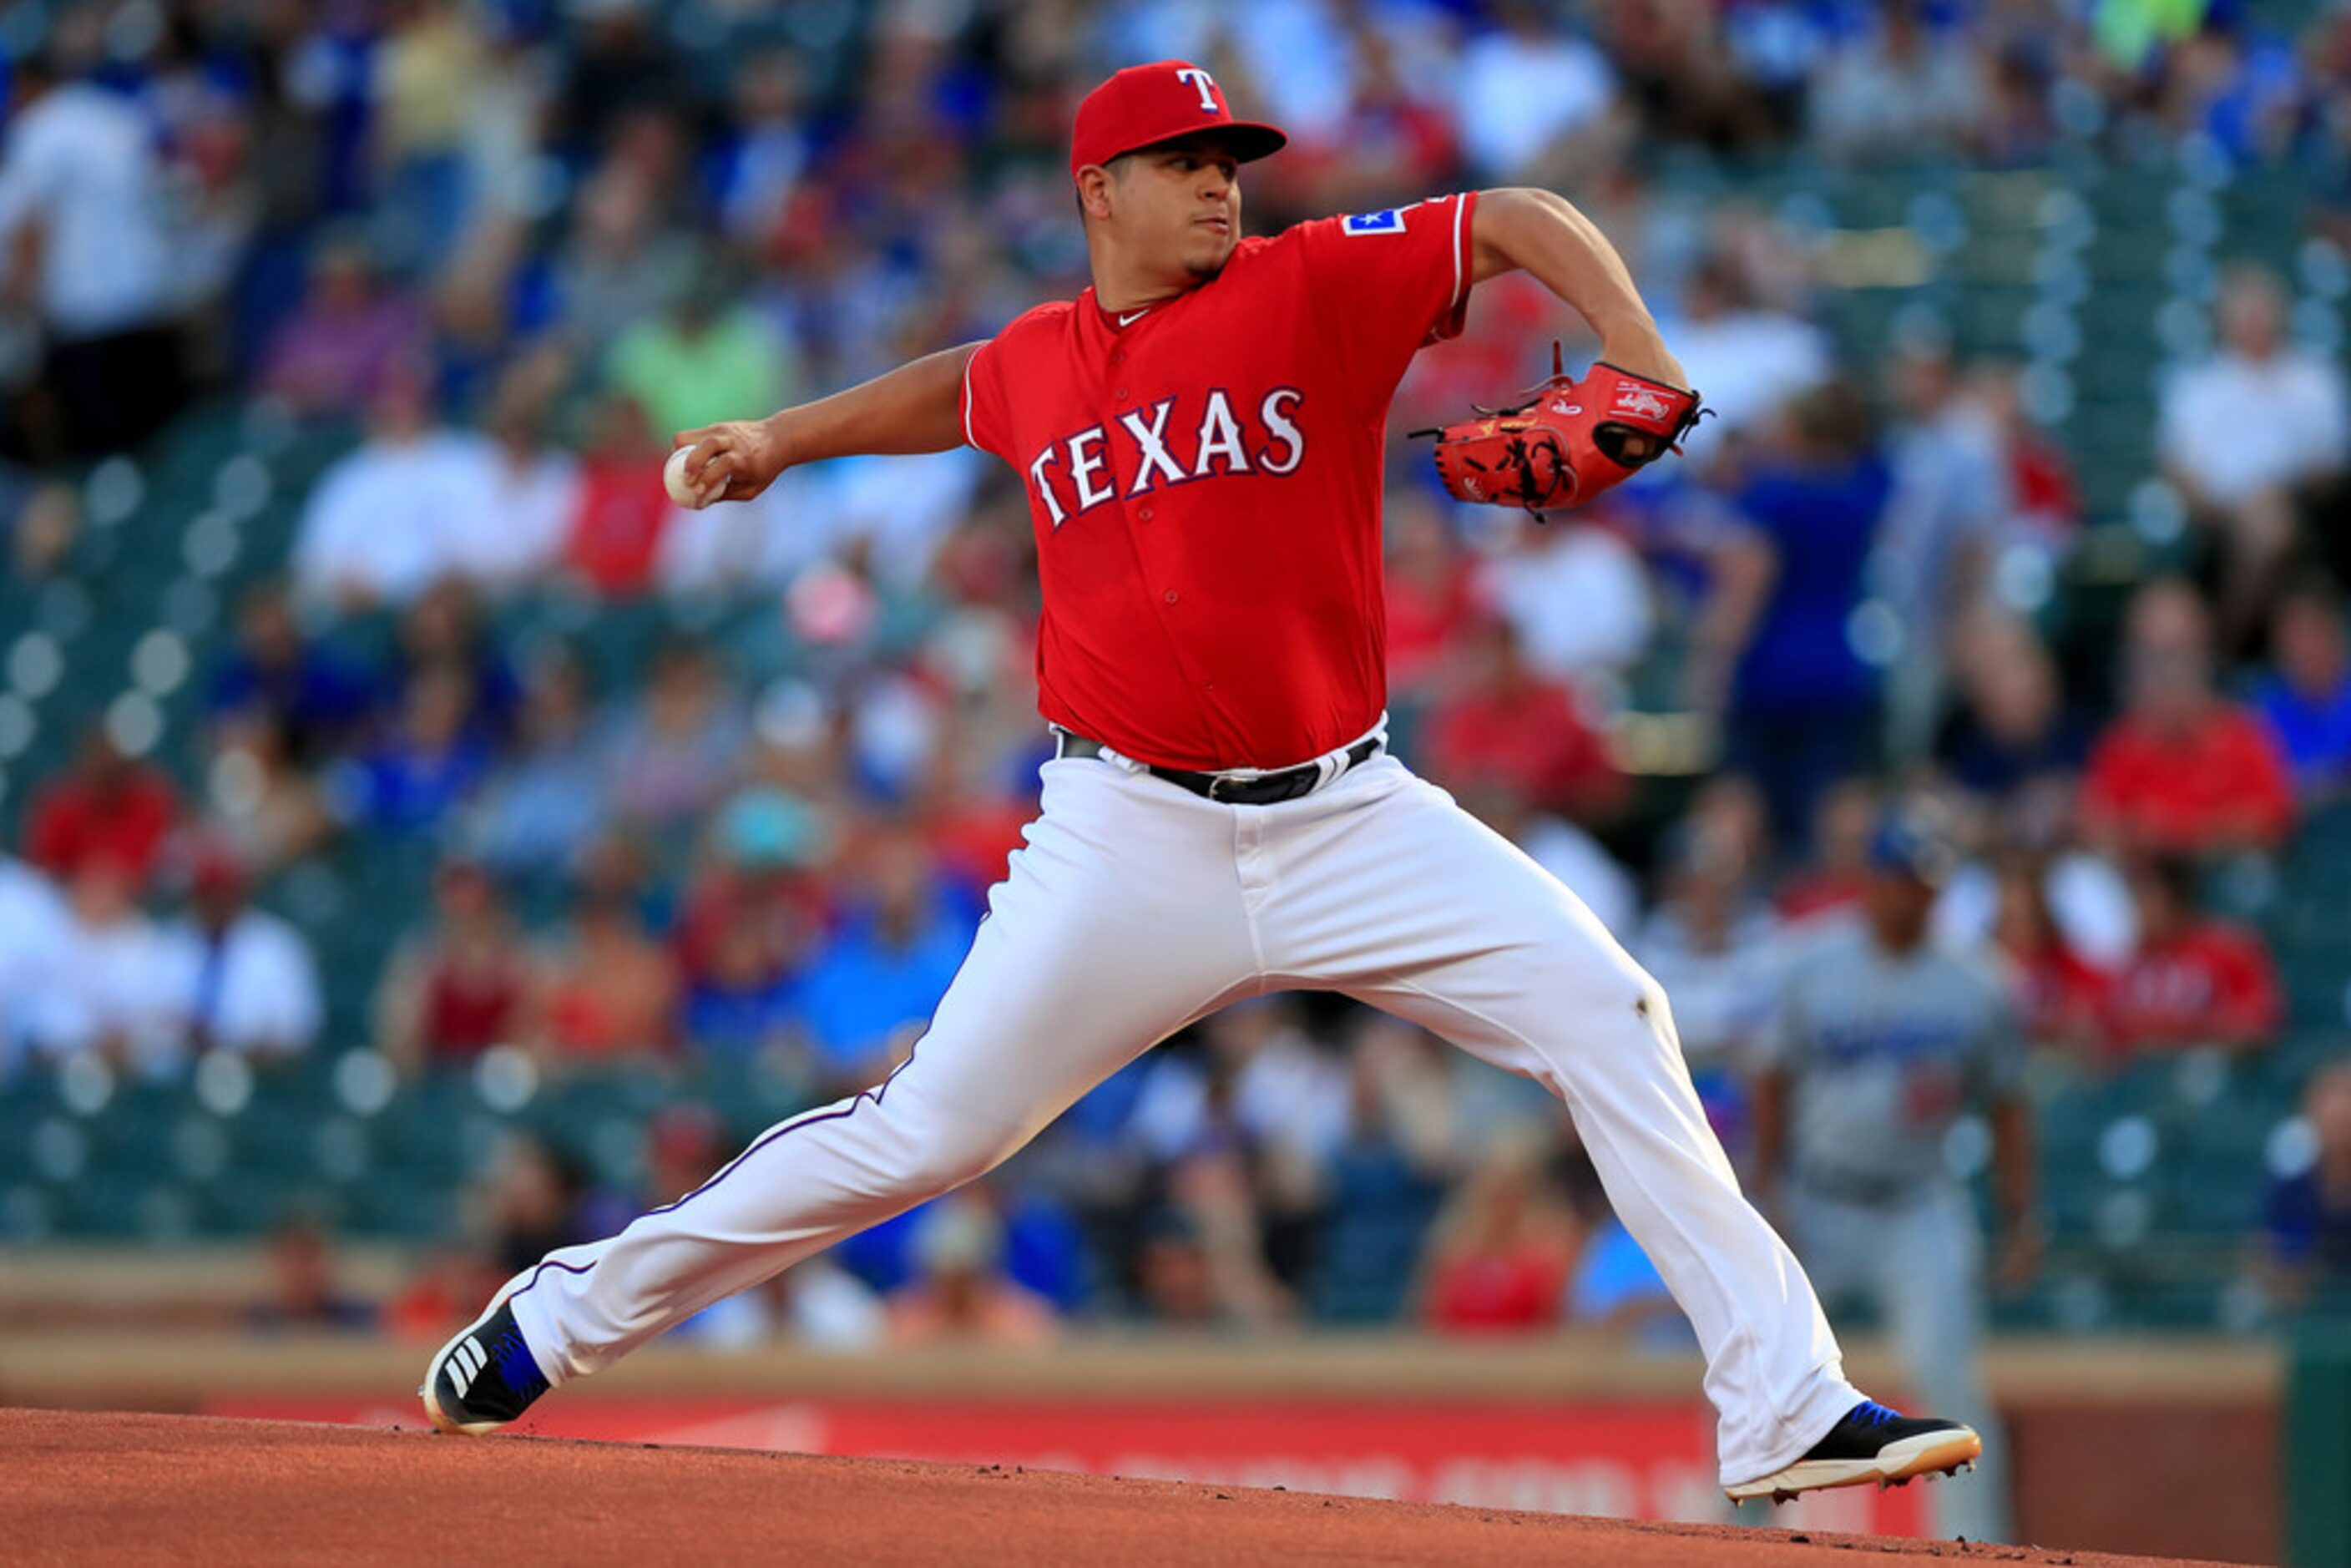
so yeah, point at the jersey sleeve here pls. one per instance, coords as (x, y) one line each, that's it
(984, 423)
(1385, 284)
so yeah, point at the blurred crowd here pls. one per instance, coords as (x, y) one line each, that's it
(510, 247)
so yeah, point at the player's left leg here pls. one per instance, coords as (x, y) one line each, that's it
(1409, 904)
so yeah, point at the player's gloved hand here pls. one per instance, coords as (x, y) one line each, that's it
(1567, 441)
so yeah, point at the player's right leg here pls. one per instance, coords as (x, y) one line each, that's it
(1119, 923)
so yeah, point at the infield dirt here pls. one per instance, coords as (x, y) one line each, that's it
(83, 1487)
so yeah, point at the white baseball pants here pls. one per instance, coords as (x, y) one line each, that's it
(1136, 908)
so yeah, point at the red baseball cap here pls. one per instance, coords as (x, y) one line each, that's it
(1143, 105)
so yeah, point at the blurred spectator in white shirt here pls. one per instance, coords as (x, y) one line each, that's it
(32, 925)
(1522, 86)
(522, 490)
(386, 520)
(1750, 359)
(2247, 436)
(111, 991)
(241, 978)
(89, 253)
(1579, 596)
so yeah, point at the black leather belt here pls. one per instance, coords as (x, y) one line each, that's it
(1265, 789)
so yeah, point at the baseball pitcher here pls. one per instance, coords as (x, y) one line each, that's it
(1200, 438)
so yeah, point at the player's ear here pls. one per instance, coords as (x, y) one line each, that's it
(1094, 183)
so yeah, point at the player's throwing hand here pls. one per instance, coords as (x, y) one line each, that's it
(732, 462)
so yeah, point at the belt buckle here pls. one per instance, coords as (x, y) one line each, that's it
(1217, 781)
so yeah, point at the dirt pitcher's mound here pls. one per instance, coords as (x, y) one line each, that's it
(184, 1488)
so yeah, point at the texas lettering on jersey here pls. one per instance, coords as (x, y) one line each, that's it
(1168, 443)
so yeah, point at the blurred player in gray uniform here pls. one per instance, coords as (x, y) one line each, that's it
(1882, 1042)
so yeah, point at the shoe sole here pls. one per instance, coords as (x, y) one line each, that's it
(1897, 1464)
(442, 1420)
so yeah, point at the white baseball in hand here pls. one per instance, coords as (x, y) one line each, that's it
(681, 489)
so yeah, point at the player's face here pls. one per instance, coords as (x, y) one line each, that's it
(1180, 204)
(1898, 905)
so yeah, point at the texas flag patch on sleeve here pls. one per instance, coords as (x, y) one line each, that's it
(1388, 221)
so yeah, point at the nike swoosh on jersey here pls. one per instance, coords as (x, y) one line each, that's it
(1132, 317)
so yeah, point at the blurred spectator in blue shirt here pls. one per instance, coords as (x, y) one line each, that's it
(2306, 700)
(2306, 1219)
(548, 803)
(310, 698)
(872, 988)
(1385, 1181)
(2011, 737)
(432, 760)
(444, 630)
(1805, 703)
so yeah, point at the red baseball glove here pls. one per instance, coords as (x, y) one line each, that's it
(1567, 442)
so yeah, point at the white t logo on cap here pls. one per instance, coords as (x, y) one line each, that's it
(1204, 82)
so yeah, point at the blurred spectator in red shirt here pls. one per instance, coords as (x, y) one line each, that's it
(1506, 727)
(623, 506)
(2194, 980)
(2044, 500)
(609, 991)
(105, 806)
(766, 848)
(1500, 1256)
(2182, 770)
(457, 988)
(2060, 994)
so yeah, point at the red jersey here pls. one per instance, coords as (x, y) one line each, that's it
(1204, 476)
(2211, 983)
(2180, 795)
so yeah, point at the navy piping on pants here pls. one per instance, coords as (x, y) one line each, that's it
(811, 1120)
